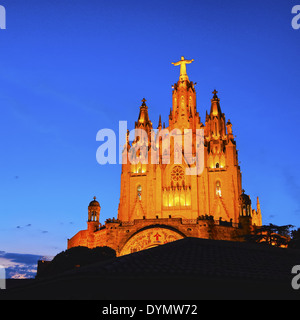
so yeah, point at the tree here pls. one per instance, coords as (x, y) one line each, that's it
(278, 236)
(296, 234)
(74, 258)
(295, 242)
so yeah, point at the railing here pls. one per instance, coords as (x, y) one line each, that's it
(127, 223)
(226, 223)
(189, 221)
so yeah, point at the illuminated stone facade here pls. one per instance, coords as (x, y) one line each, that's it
(160, 202)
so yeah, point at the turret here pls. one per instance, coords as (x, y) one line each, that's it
(93, 215)
(245, 205)
(245, 218)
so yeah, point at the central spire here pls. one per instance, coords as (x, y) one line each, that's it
(183, 114)
(182, 63)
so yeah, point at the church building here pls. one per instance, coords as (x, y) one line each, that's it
(162, 201)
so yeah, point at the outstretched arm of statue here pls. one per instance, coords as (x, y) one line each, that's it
(189, 61)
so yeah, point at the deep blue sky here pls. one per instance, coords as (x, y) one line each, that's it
(71, 68)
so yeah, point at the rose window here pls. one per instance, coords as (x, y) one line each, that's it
(177, 174)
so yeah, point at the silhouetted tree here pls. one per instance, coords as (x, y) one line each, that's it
(295, 242)
(271, 235)
(76, 257)
(296, 234)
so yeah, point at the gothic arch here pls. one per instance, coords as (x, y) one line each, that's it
(149, 237)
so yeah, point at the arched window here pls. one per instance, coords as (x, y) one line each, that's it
(218, 188)
(139, 192)
(217, 165)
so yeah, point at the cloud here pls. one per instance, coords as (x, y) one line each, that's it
(27, 226)
(18, 265)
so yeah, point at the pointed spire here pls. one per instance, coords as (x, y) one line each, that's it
(143, 116)
(159, 122)
(258, 205)
(215, 104)
(144, 121)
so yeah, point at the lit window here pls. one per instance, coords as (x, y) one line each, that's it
(139, 192)
(218, 188)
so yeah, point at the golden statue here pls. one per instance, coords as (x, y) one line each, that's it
(182, 63)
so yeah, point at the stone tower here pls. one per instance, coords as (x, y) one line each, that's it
(164, 189)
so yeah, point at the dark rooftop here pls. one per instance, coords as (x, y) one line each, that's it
(190, 268)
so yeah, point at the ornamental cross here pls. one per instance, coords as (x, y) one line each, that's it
(182, 63)
(157, 236)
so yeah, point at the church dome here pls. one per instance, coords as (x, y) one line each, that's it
(94, 203)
